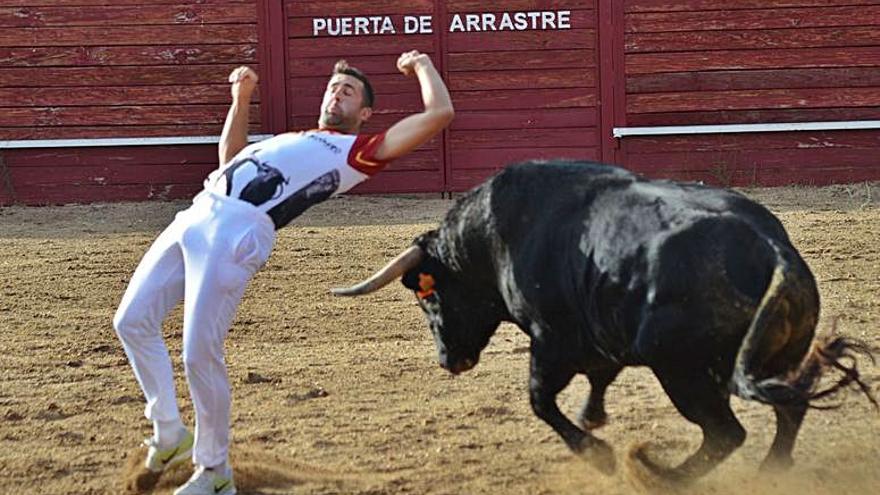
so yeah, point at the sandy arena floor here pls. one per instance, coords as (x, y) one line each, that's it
(344, 396)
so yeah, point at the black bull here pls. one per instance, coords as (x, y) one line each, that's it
(604, 269)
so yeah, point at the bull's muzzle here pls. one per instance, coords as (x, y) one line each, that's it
(458, 366)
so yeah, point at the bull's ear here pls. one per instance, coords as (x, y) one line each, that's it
(425, 240)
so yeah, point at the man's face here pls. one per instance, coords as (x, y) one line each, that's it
(342, 108)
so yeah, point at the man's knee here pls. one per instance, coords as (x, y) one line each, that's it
(130, 322)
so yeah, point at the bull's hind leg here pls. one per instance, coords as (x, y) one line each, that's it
(544, 384)
(593, 414)
(699, 398)
(788, 423)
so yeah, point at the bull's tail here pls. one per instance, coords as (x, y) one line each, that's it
(778, 363)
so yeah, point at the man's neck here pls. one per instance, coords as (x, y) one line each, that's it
(338, 130)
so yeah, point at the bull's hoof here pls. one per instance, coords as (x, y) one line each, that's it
(593, 423)
(652, 477)
(599, 455)
(774, 464)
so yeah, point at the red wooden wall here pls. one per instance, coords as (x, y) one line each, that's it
(691, 62)
(138, 68)
(128, 68)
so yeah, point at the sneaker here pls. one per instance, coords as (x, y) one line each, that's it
(207, 482)
(159, 460)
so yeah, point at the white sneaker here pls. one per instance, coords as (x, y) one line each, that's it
(207, 482)
(159, 460)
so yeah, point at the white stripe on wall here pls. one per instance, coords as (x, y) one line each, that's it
(141, 141)
(620, 132)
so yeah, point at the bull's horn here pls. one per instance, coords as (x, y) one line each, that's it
(392, 271)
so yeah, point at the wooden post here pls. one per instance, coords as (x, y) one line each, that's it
(7, 180)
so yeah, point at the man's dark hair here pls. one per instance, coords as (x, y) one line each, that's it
(342, 67)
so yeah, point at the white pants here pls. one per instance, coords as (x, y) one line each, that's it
(206, 256)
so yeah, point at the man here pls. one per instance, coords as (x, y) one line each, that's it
(210, 251)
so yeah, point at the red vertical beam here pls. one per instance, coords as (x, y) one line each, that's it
(272, 53)
(441, 56)
(612, 77)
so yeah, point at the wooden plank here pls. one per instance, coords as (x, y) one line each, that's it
(522, 40)
(104, 96)
(535, 79)
(525, 119)
(340, 8)
(753, 116)
(692, 5)
(383, 85)
(114, 131)
(83, 3)
(56, 194)
(652, 63)
(754, 141)
(180, 155)
(133, 173)
(520, 5)
(392, 181)
(71, 77)
(753, 39)
(125, 55)
(371, 65)
(525, 99)
(774, 177)
(112, 15)
(522, 60)
(129, 35)
(121, 115)
(404, 103)
(419, 160)
(832, 77)
(523, 138)
(767, 18)
(355, 46)
(496, 158)
(757, 99)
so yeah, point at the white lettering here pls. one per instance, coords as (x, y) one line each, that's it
(425, 26)
(346, 26)
(387, 26)
(456, 24)
(548, 19)
(520, 19)
(361, 25)
(506, 23)
(473, 22)
(533, 16)
(410, 24)
(318, 25)
(489, 22)
(333, 27)
(564, 19)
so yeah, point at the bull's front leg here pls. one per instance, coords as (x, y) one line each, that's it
(545, 382)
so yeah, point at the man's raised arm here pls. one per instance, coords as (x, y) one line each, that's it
(235, 131)
(415, 130)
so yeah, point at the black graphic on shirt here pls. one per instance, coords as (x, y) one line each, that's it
(266, 186)
(313, 193)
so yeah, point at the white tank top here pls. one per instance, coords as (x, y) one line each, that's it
(288, 173)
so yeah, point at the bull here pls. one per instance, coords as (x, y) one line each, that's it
(603, 269)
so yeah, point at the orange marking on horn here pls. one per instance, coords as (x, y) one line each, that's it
(426, 284)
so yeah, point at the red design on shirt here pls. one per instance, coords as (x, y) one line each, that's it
(362, 156)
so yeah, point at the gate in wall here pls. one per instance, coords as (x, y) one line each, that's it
(524, 77)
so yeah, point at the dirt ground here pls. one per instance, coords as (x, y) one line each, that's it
(344, 396)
